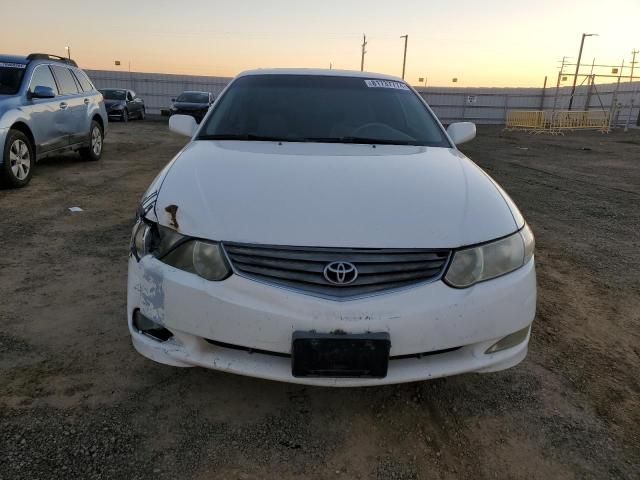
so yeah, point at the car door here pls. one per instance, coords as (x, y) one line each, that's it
(72, 100)
(84, 123)
(132, 106)
(139, 104)
(48, 120)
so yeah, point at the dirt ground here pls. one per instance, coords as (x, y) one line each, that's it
(76, 401)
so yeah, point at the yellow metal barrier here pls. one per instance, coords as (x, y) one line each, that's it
(539, 121)
(525, 119)
(587, 120)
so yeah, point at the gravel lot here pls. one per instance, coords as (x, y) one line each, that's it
(76, 401)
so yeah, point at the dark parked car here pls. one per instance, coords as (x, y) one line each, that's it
(47, 106)
(123, 104)
(195, 104)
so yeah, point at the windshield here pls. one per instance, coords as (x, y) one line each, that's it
(319, 108)
(193, 97)
(11, 77)
(114, 94)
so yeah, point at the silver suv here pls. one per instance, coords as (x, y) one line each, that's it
(47, 106)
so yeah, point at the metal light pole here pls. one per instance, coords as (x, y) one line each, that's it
(404, 61)
(575, 77)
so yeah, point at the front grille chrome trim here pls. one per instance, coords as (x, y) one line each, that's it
(381, 270)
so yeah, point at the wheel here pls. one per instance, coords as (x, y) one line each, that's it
(18, 160)
(125, 115)
(96, 142)
(142, 114)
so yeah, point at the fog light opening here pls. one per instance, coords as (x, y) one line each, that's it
(509, 341)
(148, 327)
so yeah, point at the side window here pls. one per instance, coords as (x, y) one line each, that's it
(65, 80)
(42, 77)
(85, 83)
(75, 79)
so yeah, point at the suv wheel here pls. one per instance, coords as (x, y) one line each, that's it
(18, 160)
(96, 142)
(125, 115)
(142, 114)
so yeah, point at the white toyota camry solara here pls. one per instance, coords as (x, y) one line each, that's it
(321, 227)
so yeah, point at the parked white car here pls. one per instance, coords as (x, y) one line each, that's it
(322, 228)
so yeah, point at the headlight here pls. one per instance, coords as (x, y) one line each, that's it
(204, 258)
(144, 238)
(117, 107)
(473, 265)
(200, 257)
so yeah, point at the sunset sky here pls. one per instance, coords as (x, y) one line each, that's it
(483, 43)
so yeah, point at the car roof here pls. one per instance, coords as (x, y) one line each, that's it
(25, 60)
(195, 91)
(116, 89)
(319, 71)
(14, 59)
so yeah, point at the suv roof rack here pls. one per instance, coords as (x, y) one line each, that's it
(48, 56)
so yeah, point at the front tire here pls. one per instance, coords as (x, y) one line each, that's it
(96, 142)
(143, 114)
(125, 115)
(18, 160)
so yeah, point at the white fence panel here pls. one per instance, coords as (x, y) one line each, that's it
(451, 104)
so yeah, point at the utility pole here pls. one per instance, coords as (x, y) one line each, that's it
(635, 89)
(614, 99)
(364, 45)
(544, 91)
(560, 73)
(404, 61)
(575, 77)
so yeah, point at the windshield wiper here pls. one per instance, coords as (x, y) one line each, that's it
(247, 137)
(361, 140)
(350, 139)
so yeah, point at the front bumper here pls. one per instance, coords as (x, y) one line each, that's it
(242, 312)
(3, 137)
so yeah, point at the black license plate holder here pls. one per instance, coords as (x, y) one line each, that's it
(332, 355)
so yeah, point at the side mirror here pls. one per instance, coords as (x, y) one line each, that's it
(183, 124)
(461, 132)
(43, 92)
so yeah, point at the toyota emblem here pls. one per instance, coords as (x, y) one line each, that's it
(340, 273)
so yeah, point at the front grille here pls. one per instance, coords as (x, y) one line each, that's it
(302, 268)
(288, 355)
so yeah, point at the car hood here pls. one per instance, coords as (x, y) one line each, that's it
(309, 194)
(190, 106)
(8, 102)
(113, 103)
